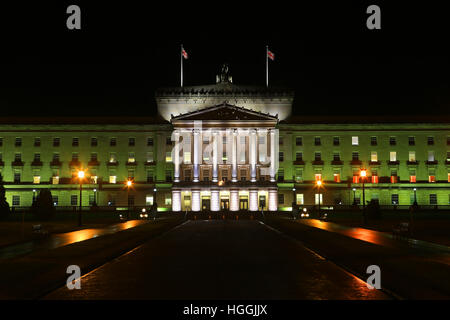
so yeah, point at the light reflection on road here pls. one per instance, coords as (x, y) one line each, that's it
(62, 239)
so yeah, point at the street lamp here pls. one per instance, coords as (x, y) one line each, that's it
(363, 174)
(95, 196)
(415, 197)
(129, 184)
(354, 196)
(319, 184)
(34, 195)
(294, 203)
(80, 178)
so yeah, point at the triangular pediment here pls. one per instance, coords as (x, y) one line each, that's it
(225, 112)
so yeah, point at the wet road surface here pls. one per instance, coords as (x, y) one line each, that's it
(220, 259)
(62, 239)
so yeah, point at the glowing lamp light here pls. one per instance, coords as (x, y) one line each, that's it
(81, 174)
(319, 182)
(363, 173)
(129, 183)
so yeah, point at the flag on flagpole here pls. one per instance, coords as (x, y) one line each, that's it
(270, 55)
(184, 53)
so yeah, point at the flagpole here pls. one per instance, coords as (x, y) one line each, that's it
(181, 61)
(267, 66)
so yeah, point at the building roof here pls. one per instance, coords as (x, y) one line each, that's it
(223, 88)
(225, 112)
(324, 119)
(157, 119)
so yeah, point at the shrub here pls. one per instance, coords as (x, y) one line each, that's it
(373, 210)
(43, 208)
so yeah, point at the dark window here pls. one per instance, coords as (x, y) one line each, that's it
(411, 141)
(336, 157)
(74, 156)
(37, 142)
(168, 176)
(355, 156)
(373, 141)
(131, 142)
(149, 176)
(93, 156)
(394, 199)
(16, 200)
(18, 142)
(37, 157)
(94, 142)
(56, 157)
(280, 156)
(317, 141)
(18, 157)
(113, 142)
(448, 141)
(280, 198)
(430, 141)
(392, 141)
(16, 177)
(1, 142)
(299, 156)
(73, 200)
(56, 142)
(317, 156)
(335, 141)
(75, 142)
(280, 141)
(298, 141)
(149, 142)
(280, 175)
(433, 198)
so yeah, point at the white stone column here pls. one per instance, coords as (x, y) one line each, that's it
(234, 200)
(273, 156)
(253, 153)
(176, 156)
(196, 153)
(215, 156)
(176, 200)
(195, 200)
(234, 157)
(253, 199)
(215, 200)
(273, 200)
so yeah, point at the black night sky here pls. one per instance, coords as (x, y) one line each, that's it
(124, 52)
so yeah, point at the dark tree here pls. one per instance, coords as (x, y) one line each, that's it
(43, 208)
(4, 206)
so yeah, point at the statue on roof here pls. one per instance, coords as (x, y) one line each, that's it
(224, 76)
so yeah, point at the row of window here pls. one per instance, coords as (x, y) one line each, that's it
(373, 141)
(76, 141)
(357, 199)
(355, 156)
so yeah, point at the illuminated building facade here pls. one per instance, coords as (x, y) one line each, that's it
(226, 147)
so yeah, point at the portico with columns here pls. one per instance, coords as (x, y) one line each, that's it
(225, 158)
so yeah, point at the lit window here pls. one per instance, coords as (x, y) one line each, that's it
(448, 180)
(149, 200)
(205, 156)
(299, 199)
(94, 179)
(431, 178)
(355, 141)
(393, 156)
(55, 180)
(374, 156)
(112, 157)
(412, 156)
(112, 179)
(412, 179)
(374, 178)
(36, 179)
(168, 199)
(187, 157)
(355, 178)
(318, 196)
(168, 156)
(149, 156)
(224, 156)
(318, 176)
(337, 177)
(131, 157)
(430, 155)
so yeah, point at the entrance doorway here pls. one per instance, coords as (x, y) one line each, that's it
(243, 203)
(206, 203)
(262, 202)
(224, 204)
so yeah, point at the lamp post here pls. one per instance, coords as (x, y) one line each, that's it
(80, 178)
(34, 195)
(129, 184)
(294, 203)
(354, 196)
(95, 196)
(415, 197)
(319, 184)
(363, 175)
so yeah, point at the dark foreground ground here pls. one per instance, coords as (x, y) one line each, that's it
(220, 259)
